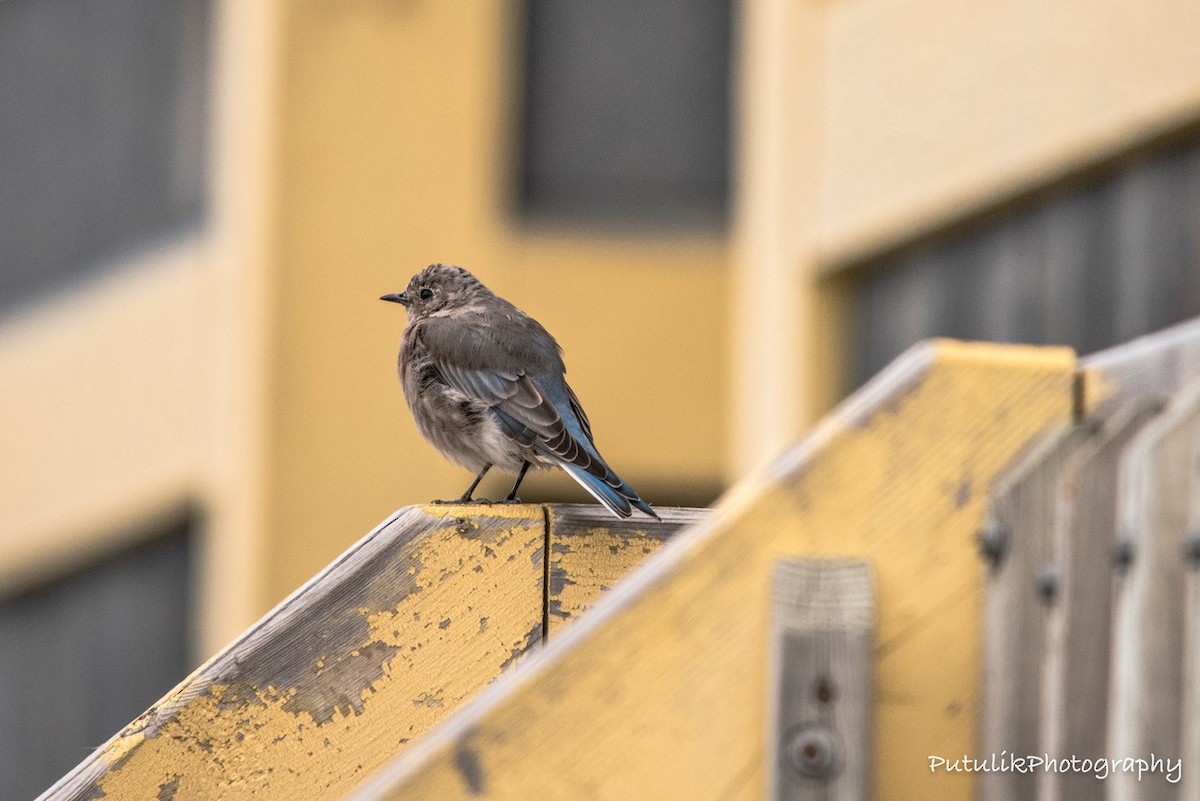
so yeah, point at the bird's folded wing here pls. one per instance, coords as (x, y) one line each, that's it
(522, 403)
(577, 407)
(526, 414)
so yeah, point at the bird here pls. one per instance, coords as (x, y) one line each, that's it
(486, 385)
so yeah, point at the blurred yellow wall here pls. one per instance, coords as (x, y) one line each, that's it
(697, 354)
(354, 142)
(396, 150)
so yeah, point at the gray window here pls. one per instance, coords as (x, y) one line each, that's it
(626, 111)
(85, 655)
(1090, 265)
(102, 133)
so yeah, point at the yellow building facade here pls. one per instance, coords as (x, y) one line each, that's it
(246, 370)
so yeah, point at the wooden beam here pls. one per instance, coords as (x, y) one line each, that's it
(383, 644)
(369, 654)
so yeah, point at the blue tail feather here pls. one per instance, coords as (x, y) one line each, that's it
(619, 500)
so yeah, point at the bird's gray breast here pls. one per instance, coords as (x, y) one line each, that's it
(462, 428)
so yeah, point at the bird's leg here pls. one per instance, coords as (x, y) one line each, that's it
(512, 495)
(466, 496)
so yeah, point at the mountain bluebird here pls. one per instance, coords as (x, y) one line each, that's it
(485, 383)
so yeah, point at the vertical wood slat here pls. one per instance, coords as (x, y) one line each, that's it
(1158, 477)
(822, 638)
(1076, 673)
(1020, 587)
(1189, 736)
(590, 551)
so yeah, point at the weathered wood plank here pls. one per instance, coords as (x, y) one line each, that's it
(369, 654)
(1076, 675)
(378, 648)
(1156, 365)
(1022, 585)
(1158, 479)
(1190, 703)
(590, 551)
(659, 692)
(822, 639)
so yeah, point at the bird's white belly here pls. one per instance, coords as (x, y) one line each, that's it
(465, 432)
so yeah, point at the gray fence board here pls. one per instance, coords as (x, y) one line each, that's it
(1076, 674)
(1024, 506)
(1157, 479)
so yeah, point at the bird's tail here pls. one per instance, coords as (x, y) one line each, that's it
(617, 496)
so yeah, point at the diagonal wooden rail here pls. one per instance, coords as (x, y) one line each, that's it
(377, 648)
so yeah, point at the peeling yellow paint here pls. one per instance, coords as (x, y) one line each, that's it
(585, 566)
(299, 719)
(660, 692)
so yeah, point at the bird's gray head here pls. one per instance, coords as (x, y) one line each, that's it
(439, 287)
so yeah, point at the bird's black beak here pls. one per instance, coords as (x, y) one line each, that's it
(396, 297)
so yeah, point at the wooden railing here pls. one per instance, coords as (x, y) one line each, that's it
(1093, 606)
(373, 651)
(1008, 527)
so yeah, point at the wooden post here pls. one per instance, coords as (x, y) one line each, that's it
(822, 639)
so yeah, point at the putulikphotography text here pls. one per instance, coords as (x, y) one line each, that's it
(1100, 767)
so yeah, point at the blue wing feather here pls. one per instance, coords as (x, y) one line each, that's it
(540, 412)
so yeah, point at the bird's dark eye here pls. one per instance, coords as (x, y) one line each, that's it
(426, 293)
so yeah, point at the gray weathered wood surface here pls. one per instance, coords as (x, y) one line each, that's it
(822, 642)
(1189, 736)
(1158, 479)
(1076, 673)
(1152, 366)
(1021, 588)
(1055, 682)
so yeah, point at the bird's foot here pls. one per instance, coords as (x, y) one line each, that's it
(511, 499)
(463, 502)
